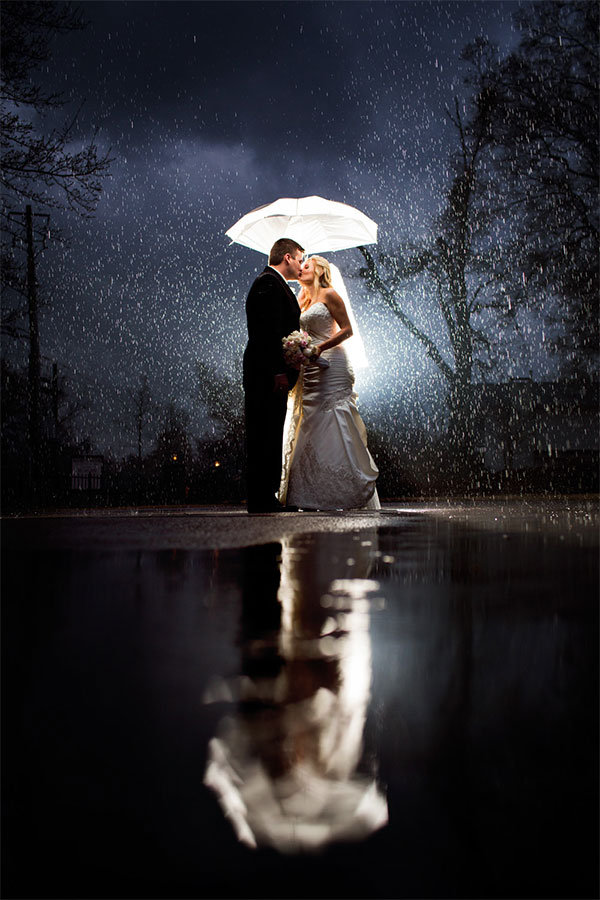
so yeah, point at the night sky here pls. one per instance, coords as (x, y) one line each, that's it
(210, 110)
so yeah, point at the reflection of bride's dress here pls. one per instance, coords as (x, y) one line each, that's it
(288, 765)
(326, 461)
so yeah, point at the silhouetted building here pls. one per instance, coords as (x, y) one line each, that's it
(539, 428)
(86, 473)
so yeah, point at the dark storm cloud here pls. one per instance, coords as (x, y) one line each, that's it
(280, 75)
(340, 97)
(224, 71)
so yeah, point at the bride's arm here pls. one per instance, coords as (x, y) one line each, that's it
(337, 308)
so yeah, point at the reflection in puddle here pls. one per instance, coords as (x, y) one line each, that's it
(288, 764)
(466, 710)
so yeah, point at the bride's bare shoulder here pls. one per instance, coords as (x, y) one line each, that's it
(331, 296)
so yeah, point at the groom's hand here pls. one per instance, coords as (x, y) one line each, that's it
(281, 383)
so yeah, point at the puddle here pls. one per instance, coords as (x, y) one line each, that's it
(386, 712)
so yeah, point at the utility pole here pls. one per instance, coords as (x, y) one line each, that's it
(34, 372)
(34, 357)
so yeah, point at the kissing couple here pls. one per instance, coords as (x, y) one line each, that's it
(306, 444)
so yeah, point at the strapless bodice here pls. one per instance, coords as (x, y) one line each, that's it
(318, 322)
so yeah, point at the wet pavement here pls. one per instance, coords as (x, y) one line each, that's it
(199, 703)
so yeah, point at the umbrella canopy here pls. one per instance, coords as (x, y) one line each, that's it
(317, 224)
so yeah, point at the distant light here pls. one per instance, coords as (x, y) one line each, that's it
(217, 464)
(174, 457)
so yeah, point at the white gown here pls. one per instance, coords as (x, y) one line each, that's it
(326, 463)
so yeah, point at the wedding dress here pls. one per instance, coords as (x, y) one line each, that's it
(326, 463)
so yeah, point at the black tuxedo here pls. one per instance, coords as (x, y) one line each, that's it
(272, 312)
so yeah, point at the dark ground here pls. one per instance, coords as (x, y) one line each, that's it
(481, 657)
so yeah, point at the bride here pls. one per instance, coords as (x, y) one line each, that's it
(326, 463)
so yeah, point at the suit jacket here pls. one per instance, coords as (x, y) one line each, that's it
(272, 312)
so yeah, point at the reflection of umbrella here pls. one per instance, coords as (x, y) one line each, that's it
(318, 225)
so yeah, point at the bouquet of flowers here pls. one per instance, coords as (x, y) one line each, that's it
(298, 350)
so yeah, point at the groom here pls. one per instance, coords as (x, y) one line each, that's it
(272, 312)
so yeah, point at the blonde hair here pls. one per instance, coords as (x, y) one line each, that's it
(322, 279)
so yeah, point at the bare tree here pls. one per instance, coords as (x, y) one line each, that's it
(41, 168)
(221, 454)
(173, 437)
(36, 168)
(144, 409)
(460, 264)
(545, 137)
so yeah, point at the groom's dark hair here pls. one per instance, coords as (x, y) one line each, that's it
(280, 248)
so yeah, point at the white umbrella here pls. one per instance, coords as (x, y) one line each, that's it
(317, 224)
